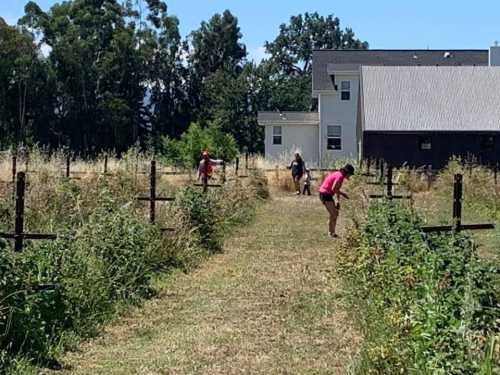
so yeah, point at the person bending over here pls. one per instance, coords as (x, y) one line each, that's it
(330, 193)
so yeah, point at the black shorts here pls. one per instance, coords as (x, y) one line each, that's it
(325, 197)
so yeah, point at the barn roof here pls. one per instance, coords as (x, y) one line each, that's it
(461, 98)
(325, 60)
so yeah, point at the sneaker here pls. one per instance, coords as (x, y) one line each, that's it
(333, 235)
(297, 193)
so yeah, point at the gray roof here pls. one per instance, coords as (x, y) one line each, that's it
(288, 118)
(355, 58)
(430, 98)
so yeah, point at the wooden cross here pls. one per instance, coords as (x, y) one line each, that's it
(19, 235)
(368, 167)
(457, 213)
(389, 184)
(152, 198)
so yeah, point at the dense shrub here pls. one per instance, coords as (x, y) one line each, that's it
(426, 304)
(200, 211)
(109, 259)
(186, 151)
(105, 257)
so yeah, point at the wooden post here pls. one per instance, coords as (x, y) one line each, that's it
(246, 162)
(152, 192)
(368, 165)
(19, 222)
(105, 164)
(136, 172)
(26, 161)
(457, 202)
(389, 182)
(14, 168)
(152, 198)
(381, 167)
(428, 172)
(237, 165)
(223, 172)
(495, 172)
(205, 175)
(68, 165)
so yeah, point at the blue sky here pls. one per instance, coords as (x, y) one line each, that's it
(383, 23)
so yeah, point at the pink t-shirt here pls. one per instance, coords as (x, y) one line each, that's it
(326, 186)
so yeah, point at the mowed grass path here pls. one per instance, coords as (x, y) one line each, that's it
(267, 305)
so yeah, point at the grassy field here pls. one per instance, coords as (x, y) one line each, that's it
(272, 302)
(107, 253)
(269, 304)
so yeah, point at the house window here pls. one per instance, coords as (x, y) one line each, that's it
(334, 135)
(487, 142)
(276, 135)
(345, 90)
(424, 143)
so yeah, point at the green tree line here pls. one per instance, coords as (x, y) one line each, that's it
(95, 75)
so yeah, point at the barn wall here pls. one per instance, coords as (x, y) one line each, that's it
(400, 148)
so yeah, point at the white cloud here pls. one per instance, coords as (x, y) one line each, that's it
(257, 54)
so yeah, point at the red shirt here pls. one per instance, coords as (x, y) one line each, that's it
(332, 178)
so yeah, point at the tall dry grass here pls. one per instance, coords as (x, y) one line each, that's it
(107, 252)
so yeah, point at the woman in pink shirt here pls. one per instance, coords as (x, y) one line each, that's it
(329, 194)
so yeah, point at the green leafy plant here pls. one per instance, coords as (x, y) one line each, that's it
(426, 304)
(187, 150)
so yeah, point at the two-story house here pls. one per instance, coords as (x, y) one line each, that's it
(339, 128)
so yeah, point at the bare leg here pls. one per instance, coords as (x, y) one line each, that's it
(296, 181)
(334, 214)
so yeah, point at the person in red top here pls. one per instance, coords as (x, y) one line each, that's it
(330, 193)
(205, 168)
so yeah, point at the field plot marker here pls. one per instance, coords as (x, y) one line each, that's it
(19, 235)
(390, 184)
(457, 213)
(368, 168)
(152, 199)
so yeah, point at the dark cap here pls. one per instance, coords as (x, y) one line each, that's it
(349, 169)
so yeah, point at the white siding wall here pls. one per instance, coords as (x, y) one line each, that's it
(334, 111)
(301, 138)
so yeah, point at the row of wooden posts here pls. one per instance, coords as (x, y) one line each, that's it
(380, 166)
(20, 188)
(19, 235)
(68, 172)
(456, 225)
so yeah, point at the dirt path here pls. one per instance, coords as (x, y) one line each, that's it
(267, 305)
